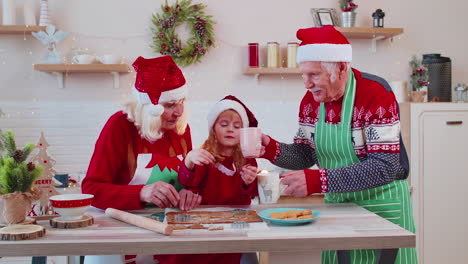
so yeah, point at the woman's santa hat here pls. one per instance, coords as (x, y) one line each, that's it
(158, 80)
(323, 44)
(231, 102)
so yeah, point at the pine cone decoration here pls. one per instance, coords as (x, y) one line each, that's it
(18, 155)
(31, 166)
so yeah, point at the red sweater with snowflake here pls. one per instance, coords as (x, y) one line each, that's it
(114, 161)
(375, 137)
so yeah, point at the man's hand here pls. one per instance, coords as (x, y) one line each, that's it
(189, 200)
(265, 142)
(248, 174)
(198, 157)
(295, 182)
(160, 193)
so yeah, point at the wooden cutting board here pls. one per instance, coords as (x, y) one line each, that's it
(21, 232)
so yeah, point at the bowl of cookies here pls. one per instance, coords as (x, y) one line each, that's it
(289, 216)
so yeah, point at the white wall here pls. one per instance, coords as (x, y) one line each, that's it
(123, 27)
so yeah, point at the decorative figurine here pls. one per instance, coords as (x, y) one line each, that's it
(50, 38)
(378, 16)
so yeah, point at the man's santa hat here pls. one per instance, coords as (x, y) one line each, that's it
(231, 102)
(158, 80)
(323, 44)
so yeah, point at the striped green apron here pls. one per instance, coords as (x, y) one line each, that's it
(391, 201)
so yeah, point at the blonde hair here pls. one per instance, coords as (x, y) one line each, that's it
(211, 145)
(149, 126)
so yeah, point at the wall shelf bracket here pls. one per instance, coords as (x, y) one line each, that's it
(374, 43)
(116, 79)
(59, 77)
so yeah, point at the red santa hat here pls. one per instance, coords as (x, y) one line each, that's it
(323, 44)
(158, 80)
(232, 102)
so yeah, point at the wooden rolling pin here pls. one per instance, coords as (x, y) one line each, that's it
(140, 221)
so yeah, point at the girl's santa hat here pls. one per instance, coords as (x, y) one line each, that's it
(323, 44)
(158, 80)
(231, 102)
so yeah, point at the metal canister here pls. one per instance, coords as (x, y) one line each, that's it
(273, 60)
(292, 54)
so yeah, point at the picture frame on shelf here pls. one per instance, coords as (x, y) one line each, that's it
(325, 16)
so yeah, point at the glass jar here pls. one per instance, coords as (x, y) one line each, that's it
(253, 55)
(292, 54)
(273, 60)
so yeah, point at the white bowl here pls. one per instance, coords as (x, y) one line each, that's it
(71, 206)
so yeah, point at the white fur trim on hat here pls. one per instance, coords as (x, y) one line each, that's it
(224, 105)
(325, 52)
(171, 95)
(174, 94)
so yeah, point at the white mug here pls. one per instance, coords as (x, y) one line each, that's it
(83, 59)
(269, 187)
(109, 59)
(251, 141)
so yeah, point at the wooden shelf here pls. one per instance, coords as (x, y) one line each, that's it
(271, 71)
(20, 29)
(369, 32)
(60, 69)
(84, 68)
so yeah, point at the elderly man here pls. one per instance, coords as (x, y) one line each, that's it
(349, 126)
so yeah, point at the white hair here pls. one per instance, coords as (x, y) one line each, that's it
(332, 68)
(149, 126)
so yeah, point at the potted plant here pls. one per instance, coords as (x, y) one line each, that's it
(16, 179)
(348, 16)
(419, 79)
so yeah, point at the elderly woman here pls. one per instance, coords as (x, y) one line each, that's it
(140, 148)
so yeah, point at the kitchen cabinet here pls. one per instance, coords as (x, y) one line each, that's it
(436, 137)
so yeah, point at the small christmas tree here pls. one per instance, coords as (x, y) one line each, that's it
(15, 173)
(46, 181)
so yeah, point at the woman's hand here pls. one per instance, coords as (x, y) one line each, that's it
(161, 194)
(189, 200)
(248, 174)
(296, 183)
(198, 157)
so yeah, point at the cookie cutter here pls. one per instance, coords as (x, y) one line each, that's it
(182, 218)
(240, 225)
(239, 211)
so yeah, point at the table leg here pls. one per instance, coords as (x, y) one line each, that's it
(344, 256)
(309, 257)
(387, 256)
(39, 260)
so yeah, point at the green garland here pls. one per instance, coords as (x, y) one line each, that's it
(166, 41)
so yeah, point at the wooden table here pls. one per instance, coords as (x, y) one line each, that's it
(342, 226)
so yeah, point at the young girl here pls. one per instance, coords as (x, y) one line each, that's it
(218, 171)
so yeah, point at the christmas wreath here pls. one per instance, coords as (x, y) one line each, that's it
(166, 41)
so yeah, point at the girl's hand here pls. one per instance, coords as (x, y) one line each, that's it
(198, 157)
(248, 174)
